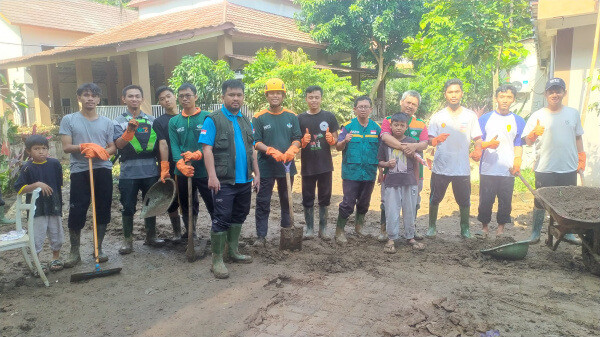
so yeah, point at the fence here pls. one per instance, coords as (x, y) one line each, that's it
(112, 111)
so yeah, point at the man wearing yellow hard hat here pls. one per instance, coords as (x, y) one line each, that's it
(277, 135)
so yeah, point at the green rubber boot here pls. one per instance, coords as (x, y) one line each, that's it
(359, 224)
(309, 218)
(3, 220)
(340, 235)
(101, 232)
(382, 237)
(233, 240)
(538, 223)
(176, 224)
(433, 213)
(74, 258)
(323, 214)
(127, 246)
(465, 213)
(218, 245)
(151, 240)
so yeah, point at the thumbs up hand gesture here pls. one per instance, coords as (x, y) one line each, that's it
(329, 137)
(492, 144)
(537, 131)
(306, 139)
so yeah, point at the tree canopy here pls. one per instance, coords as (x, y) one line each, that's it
(297, 72)
(373, 30)
(473, 40)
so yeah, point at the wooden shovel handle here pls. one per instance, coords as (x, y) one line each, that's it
(94, 211)
(531, 189)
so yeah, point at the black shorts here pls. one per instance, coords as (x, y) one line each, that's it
(80, 197)
(549, 179)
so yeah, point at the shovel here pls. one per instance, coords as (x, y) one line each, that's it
(192, 253)
(97, 272)
(291, 237)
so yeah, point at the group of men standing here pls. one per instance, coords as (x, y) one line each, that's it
(226, 156)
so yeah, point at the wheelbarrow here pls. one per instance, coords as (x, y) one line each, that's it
(572, 221)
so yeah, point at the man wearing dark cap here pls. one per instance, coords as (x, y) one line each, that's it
(556, 132)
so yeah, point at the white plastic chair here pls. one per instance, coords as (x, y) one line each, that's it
(27, 240)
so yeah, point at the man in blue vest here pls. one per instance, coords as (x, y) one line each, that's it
(359, 141)
(230, 160)
(135, 140)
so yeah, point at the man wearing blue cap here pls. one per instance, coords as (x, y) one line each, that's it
(556, 132)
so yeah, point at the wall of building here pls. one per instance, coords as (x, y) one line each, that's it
(532, 80)
(34, 37)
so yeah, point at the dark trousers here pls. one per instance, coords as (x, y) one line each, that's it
(461, 187)
(491, 187)
(198, 185)
(554, 179)
(80, 197)
(323, 183)
(355, 193)
(129, 189)
(263, 204)
(232, 205)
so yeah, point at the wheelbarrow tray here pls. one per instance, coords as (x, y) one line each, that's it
(576, 210)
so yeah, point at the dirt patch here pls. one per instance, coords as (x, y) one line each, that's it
(574, 202)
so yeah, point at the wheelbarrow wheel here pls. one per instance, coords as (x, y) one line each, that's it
(590, 260)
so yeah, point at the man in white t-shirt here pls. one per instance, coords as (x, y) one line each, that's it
(501, 159)
(451, 131)
(556, 132)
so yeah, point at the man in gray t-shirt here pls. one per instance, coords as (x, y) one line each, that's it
(556, 133)
(138, 148)
(87, 135)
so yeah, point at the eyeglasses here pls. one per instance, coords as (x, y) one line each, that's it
(188, 96)
(363, 107)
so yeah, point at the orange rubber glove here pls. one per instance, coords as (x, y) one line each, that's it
(476, 154)
(164, 171)
(186, 170)
(91, 150)
(516, 166)
(189, 156)
(581, 164)
(537, 131)
(329, 137)
(290, 154)
(439, 139)
(276, 154)
(130, 131)
(306, 139)
(492, 144)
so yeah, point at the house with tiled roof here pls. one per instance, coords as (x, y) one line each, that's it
(146, 50)
(33, 26)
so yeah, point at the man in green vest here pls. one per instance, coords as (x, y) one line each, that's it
(230, 159)
(135, 140)
(359, 141)
(184, 132)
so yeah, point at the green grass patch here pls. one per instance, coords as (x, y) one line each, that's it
(529, 175)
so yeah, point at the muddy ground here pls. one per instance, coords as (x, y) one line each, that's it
(448, 289)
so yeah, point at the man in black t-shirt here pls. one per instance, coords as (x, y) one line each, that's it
(165, 96)
(320, 130)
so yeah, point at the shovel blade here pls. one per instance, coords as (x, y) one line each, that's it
(291, 238)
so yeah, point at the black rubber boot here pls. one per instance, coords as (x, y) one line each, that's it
(465, 213)
(382, 237)
(433, 213)
(340, 235)
(101, 232)
(176, 224)
(74, 257)
(218, 246)
(151, 240)
(309, 218)
(127, 246)
(233, 239)
(323, 214)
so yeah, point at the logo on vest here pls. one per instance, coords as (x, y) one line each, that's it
(181, 129)
(373, 132)
(413, 133)
(267, 127)
(354, 132)
(289, 125)
(508, 127)
(199, 127)
(323, 126)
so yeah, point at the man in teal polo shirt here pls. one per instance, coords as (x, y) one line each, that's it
(230, 162)
(184, 132)
(359, 141)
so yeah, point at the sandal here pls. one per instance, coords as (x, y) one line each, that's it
(416, 245)
(44, 269)
(56, 265)
(389, 248)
